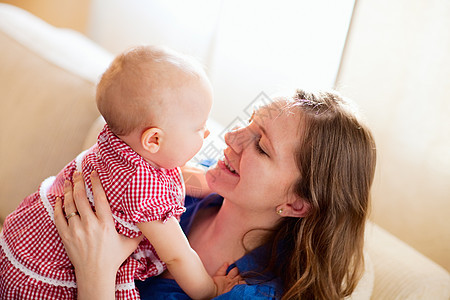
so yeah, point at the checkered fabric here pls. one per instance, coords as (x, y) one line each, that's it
(33, 262)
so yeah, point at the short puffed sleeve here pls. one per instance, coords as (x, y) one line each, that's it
(154, 195)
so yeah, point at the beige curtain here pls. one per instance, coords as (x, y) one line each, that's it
(396, 65)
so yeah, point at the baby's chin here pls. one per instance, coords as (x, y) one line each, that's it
(171, 164)
(161, 166)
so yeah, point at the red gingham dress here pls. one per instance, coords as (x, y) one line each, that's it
(33, 263)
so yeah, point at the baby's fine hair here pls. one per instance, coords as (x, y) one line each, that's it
(128, 93)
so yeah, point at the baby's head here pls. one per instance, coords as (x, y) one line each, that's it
(157, 101)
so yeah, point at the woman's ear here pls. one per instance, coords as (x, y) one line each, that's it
(297, 209)
(151, 139)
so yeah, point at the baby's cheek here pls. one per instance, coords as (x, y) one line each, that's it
(197, 144)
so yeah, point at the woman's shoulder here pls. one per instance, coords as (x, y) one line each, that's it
(196, 207)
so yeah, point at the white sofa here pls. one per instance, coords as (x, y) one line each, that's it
(48, 115)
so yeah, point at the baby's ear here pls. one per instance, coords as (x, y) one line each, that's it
(151, 139)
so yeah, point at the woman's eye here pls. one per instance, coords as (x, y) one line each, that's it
(258, 147)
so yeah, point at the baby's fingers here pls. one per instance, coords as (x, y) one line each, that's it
(233, 272)
(222, 270)
(226, 283)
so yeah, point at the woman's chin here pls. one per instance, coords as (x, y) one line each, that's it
(219, 179)
(211, 177)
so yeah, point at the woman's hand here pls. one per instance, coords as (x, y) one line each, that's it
(91, 241)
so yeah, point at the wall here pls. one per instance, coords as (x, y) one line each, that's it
(397, 67)
(248, 47)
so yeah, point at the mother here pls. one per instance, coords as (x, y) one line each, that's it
(295, 185)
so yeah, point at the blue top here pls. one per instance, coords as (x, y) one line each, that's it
(258, 286)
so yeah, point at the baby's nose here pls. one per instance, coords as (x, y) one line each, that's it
(206, 134)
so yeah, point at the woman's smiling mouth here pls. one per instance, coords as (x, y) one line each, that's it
(226, 164)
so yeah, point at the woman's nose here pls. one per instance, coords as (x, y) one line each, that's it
(236, 139)
(206, 134)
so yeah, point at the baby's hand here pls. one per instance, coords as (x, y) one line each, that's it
(225, 282)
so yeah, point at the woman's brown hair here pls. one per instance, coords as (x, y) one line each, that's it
(322, 254)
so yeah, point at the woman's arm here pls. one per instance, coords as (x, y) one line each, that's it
(89, 239)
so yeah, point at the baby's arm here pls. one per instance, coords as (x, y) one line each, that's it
(183, 263)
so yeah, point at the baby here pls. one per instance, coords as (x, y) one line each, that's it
(155, 103)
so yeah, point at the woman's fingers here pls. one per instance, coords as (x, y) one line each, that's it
(102, 208)
(80, 197)
(69, 204)
(60, 220)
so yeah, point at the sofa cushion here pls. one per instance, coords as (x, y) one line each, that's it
(401, 272)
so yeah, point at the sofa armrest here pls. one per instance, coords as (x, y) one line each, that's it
(401, 272)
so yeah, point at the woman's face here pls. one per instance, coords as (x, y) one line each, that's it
(258, 168)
